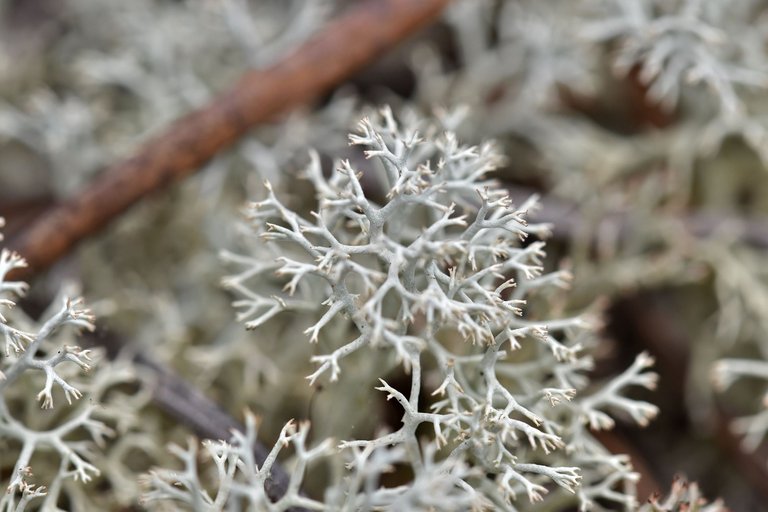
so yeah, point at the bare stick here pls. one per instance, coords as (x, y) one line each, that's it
(343, 47)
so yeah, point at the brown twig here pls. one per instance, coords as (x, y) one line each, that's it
(343, 47)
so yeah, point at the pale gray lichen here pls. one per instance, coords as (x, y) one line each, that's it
(33, 367)
(435, 277)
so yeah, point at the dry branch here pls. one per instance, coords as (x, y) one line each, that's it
(355, 39)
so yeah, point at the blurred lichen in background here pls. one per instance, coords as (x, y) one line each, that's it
(641, 127)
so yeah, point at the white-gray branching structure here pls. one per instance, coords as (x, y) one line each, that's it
(238, 475)
(34, 358)
(754, 427)
(434, 275)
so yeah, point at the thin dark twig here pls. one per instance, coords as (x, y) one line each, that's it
(567, 220)
(182, 401)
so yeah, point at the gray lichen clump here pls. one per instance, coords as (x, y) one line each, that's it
(34, 357)
(433, 278)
